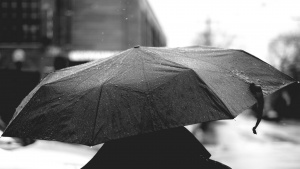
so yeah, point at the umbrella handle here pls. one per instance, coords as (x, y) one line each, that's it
(258, 107)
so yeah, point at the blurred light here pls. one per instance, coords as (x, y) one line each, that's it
(54, 51)
(90, 55)
(18, 55)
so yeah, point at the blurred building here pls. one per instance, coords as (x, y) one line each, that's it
(78, 30)
(40, 36)
(20, 28)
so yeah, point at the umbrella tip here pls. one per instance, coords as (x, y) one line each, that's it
(138, 46)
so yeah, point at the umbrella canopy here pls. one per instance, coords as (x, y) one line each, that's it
(140, 90)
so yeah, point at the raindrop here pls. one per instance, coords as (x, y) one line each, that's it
(126, 18)
(91, 146)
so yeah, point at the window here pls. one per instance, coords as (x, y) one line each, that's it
(20, 21)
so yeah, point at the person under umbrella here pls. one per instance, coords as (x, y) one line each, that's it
(143, 90)
(170, 148)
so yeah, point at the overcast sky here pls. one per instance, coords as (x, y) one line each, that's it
(252, 23)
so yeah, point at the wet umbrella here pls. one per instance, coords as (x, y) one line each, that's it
(140, 90)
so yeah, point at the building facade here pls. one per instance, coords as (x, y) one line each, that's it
(78, 30)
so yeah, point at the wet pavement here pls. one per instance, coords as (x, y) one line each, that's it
(46, 155)
(276, 146)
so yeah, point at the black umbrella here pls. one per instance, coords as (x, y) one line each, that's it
(140, 90)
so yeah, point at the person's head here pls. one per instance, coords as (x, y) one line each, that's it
(18, 57)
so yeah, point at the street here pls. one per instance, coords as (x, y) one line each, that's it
(90, 72)
(46, 155)
(276, 146)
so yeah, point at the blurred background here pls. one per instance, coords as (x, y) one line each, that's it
(40, 36)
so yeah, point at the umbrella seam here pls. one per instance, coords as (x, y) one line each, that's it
(219, 66)
(95, 121)
(94, 135)
(90, 68)
(149, 100)
(178, 51)
(182, 67)
(47, 84)
(227, 111)
(270, 66)
(216, 96)
(108, 80)
(230, 71)
(209, 87)
(147, 84)
(161, 58)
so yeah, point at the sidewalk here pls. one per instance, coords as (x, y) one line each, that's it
(276, 146)
(46, 155)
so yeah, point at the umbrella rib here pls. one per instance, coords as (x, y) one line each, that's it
(120, 74)
(232, 72)
(161, 58)
(193, 59)
(95, 121)
(179, 52)
(94, 135)
(93, 63)
(205, 61)
(147, 86)
(147, 83)
(227, 110)
(217, 96)
(63, 79)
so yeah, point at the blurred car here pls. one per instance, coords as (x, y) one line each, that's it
(10, 143)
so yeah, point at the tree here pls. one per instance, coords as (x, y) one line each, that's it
(211, 37)
(285, 50)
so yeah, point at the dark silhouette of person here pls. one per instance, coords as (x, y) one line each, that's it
(15, 86)
(166, 149)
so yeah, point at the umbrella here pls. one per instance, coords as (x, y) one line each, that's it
(140, 90)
